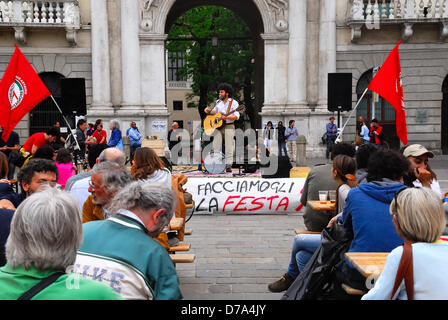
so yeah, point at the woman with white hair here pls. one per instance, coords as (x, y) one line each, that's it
(134, 264)
(116, 140)
(419, 219)
(45, 234)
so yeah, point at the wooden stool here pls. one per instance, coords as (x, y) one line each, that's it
(182, 257)
(352, 291)
(180, 247)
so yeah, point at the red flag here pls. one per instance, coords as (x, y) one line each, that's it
(21, 90)
(387, 83)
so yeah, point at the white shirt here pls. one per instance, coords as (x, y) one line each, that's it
(434, 186)
(222, 107)
(81, 190)
(430, 261)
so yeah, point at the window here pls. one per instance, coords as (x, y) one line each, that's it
(178, 105)
(373, 105)
(176, 61)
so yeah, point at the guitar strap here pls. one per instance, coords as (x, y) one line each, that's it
(230, 105)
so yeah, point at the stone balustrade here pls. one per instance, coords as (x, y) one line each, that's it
(373, 13)
(20, 15)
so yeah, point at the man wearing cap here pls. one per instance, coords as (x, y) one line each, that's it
(421, 174)
(376, 133)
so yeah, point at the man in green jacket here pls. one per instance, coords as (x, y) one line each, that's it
(121, 251)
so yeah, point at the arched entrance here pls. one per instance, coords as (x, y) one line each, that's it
(374, 106)
(250, 14)
(444, 129)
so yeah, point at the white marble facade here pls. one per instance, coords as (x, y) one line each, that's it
(122, 57)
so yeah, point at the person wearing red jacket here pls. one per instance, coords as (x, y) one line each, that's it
(376, 132)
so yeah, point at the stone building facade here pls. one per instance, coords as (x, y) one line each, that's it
(122, 56)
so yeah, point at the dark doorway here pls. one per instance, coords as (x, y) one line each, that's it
(45, 114)
(444, 125)
(374, 106)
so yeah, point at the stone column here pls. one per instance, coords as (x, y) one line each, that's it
(130, 56)
(275, 73)
(297, 66)
(327, 48)
(101, 102)
(153, 83)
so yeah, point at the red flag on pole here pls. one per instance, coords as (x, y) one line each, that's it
(387, 83)
(21, 90)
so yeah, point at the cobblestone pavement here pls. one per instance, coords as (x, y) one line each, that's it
(237, 256)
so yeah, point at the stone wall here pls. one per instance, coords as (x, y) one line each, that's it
(63, 62)
(424, 67)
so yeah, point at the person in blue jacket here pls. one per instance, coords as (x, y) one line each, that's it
(366, 215)
(116, 140)
(134, 139)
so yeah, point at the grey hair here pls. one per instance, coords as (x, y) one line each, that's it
(114, 176)
(115, 123)
(114, 155)
(46, 231)
(146, 196)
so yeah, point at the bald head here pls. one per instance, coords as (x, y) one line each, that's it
(114, 155)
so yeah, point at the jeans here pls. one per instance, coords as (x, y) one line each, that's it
(282, 147)
(330, 144)
(303, 248)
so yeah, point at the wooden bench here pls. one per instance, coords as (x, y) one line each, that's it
(180, 247)
(183, 258)
(300, 231)
(176, 223)
(15, 184)
(188, 232)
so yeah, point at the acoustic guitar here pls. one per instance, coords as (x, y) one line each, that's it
(214, 121)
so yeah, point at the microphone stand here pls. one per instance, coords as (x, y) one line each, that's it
(340, 131)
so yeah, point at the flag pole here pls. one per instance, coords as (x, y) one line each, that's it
(338, 138)
(76, 140)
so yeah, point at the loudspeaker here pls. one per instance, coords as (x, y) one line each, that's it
(73, 92)
(283, 168)
(339, 91)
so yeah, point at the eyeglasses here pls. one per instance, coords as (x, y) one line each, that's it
(91, 185)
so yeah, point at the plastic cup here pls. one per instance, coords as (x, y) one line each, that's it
(323, 195)
(332, 195)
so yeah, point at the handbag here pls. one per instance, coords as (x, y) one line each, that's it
(405, 271)
(324, 138)
(315, 280)
(19, 159)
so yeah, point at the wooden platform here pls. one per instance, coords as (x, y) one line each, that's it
(299, 172)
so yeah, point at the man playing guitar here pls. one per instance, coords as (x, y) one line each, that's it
(225, 105)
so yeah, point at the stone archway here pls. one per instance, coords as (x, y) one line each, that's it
(251, 16)
(267, 19)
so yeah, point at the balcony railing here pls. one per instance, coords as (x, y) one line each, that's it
(407, 13)
(20, 15)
